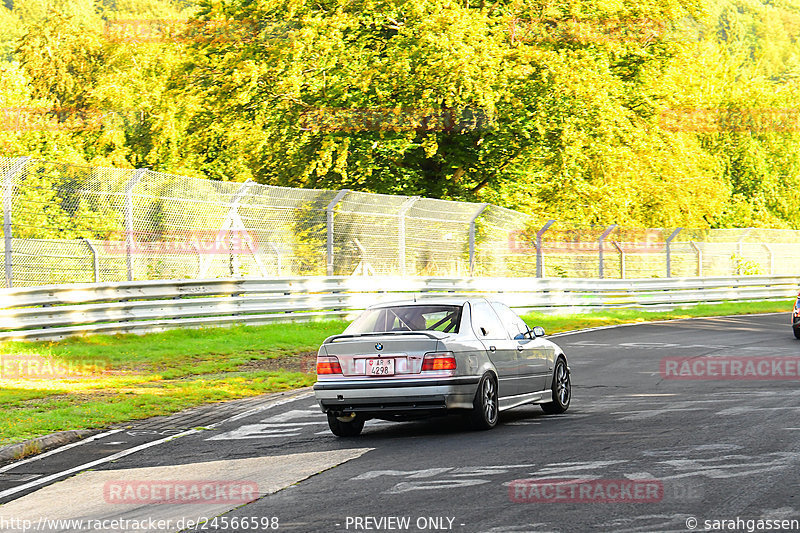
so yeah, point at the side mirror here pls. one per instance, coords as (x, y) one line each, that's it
(538, 331)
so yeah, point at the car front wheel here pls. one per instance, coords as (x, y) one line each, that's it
(562, 390)
(486, 408)
(345, 426)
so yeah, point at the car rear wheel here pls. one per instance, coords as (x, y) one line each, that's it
(486, 407)
(562, 390)
(797, 333)
(345, 426)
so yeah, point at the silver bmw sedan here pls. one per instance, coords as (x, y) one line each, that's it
(407, 360)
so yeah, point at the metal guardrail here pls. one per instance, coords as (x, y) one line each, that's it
(56, 311)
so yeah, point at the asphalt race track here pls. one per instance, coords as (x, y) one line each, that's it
(710, 450)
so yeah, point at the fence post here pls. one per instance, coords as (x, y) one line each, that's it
(137, 175)
(539, 253)
(401, 232)
(199, 260)
(669, 251)
(699, 253)
(329, 216)
(478, 212)
(742, 237)
(11, 174)
(771, 256)
(621, 259)
(277, 258)
(233, 209)
(95, 261)
(605, 234)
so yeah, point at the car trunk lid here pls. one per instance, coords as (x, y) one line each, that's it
(396, 354)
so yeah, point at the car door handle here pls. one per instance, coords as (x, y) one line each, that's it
(520, 347)
(492, 349)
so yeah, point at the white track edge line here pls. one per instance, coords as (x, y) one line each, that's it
(57, 450)
(123, 453)
(85, 466)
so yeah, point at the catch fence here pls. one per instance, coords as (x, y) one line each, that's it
(65, 223)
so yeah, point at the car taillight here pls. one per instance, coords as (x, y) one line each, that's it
(328, 365)
(439, 361)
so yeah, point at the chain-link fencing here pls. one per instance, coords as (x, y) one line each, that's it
(65, 223)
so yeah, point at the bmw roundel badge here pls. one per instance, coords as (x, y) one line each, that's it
(379, 346)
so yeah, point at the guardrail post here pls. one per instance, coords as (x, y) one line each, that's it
(602, 238)
(329, 215)
(95, 261)
(478, 212)
(539, 253)
(137, 175)
(699, 253)
(771, 257)
(8, 194)
(621, 259)
(401, 232)
(669, 250)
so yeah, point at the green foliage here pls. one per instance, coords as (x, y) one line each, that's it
(555, 109)
(745, 267)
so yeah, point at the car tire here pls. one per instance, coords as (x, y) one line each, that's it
(342, 427)
(485, 406)
(562, 390)
(797, 333)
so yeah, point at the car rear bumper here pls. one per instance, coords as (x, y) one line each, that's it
(393, 397)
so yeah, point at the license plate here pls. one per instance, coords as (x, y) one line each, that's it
(380, 367)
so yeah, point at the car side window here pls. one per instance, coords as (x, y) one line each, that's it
(512, 323)
(485, 323)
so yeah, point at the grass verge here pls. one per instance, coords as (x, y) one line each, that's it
(96, 381)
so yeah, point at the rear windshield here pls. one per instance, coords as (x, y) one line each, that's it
(444, 318)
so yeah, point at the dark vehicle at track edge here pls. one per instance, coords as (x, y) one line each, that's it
(796, 318)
